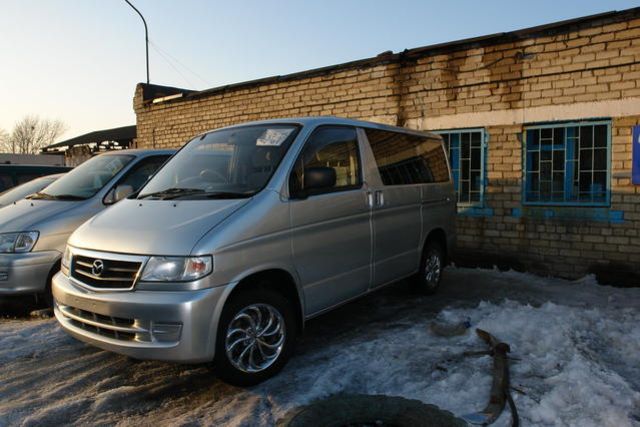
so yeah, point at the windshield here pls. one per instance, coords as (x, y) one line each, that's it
(87, 179)
(229, 163)
(21, 191)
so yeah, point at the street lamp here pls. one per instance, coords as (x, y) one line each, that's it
(146, 35)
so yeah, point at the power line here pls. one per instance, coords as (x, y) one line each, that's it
(168, 56)
(170, 63)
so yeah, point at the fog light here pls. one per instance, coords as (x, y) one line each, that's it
(166, 331)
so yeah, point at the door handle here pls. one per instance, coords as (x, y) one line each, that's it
(379, 198)
(369, 199)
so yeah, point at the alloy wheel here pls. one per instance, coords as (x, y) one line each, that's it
(255, 338)
(433, 269)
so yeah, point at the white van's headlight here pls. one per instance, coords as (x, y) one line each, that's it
(18, 242)
(66, 261)
(176, 269)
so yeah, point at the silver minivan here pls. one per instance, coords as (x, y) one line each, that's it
(249, 231)
(34, 231)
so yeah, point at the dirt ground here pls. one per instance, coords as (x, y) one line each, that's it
(379, 344)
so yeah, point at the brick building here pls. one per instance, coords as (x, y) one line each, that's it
(538, 123)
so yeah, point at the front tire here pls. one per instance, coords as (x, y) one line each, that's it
(256, 337)
(427, 281)
(47, 295)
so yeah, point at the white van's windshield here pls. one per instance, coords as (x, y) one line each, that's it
(85, 180)
(229, 163)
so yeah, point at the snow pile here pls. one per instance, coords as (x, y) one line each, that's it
(578, 346)
(577, 367)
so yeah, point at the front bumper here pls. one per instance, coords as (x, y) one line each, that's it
(177, 326)
(26, 273)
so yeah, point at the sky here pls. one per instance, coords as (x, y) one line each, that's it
(79, 60)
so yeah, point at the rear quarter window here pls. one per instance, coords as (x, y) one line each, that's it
(404, 159)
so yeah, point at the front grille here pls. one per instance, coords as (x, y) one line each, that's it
(113, 274)
(107, 326)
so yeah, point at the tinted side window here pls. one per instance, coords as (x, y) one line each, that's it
(332, 147)
(407, 159)
(140, 173)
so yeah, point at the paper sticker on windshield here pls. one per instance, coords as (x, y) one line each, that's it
(273, 137)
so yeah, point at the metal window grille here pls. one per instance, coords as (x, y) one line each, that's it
(467, 157)
(568, 164)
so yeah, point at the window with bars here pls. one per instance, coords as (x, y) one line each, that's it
(466, 155)
(567, 164)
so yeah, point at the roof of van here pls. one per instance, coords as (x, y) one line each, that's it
(34, 166)
(331, 120)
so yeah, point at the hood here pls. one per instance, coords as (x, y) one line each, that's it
(25, 215)
(153, 227)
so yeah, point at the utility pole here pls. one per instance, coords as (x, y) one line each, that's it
(146, 35)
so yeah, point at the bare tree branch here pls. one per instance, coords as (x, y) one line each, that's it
(4, 141)
(31, 134)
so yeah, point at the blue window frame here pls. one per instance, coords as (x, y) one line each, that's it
(467, 152)
(567, 164)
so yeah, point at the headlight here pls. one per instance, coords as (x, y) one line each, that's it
(66, 261)
(18, 242)
(176, 269)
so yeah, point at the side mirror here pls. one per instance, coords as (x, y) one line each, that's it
(319, 178)
(118, 193)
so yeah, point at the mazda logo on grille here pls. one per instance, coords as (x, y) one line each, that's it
(98, 267)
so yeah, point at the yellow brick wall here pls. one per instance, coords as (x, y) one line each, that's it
(363, 94)
(565, 247)
(595, 64)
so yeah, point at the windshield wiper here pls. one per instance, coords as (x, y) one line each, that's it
(218, 195)
(40, 195)
(172, 193)
(45, 196)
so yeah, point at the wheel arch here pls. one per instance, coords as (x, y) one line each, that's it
(54, 269)
(439, 236)
(280, 280)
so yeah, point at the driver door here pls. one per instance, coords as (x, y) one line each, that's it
(331, 230)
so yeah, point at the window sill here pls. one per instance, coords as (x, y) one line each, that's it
(560, 205)
(569, 213)
(474, 211)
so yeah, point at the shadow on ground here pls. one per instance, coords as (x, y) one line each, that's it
(19, 307)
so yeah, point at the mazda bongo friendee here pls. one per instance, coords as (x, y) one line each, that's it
(251, 230)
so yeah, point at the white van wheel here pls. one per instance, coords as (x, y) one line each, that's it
(428, 279)
(256, 337)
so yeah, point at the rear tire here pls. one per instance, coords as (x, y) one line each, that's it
(428, 279)
(256, 337)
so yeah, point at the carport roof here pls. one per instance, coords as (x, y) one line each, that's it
(120, 135)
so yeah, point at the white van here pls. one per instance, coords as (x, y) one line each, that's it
(249, 231)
